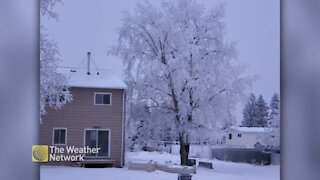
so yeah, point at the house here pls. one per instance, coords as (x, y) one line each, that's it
(94, 118)
(245, 137)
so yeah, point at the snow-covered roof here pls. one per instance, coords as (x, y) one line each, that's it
(249, 129)
(97, 78)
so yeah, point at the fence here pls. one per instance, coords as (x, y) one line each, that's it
(196, 151)
(242, 155)
(254, 156)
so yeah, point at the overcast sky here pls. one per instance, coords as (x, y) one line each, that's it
(91, 25)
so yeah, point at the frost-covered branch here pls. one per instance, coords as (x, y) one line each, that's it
(47, 8)
(53, 85)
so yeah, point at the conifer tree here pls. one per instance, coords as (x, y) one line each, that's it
(261, 113)
(272, 138)
(249, 112)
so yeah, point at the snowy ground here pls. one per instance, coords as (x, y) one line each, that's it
(222, 171)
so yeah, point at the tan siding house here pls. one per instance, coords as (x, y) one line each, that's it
(94, 118)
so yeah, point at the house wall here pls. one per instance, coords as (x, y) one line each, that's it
(81, 113)
(247, 139)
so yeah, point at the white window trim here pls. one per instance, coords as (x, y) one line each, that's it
(109, 141)
(57, 128)
(94, 98)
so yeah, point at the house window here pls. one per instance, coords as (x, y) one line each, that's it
(59, 136)
(239, 135)
(97, 138)
(230, 136)
(102, 98)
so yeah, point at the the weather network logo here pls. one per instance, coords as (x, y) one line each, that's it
(40, 153)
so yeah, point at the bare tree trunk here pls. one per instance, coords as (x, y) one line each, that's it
(184, 150)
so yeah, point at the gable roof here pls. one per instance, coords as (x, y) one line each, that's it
(249, 129)
(101, 78)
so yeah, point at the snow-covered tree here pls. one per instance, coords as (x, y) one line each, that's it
(250, 112)
(178, 64)
(47, 8)
(53, 85)
(272, 138)
(262, 112)
(274, 107)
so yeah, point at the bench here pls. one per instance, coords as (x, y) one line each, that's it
(192, 162)
(184, 177)
(205, 164)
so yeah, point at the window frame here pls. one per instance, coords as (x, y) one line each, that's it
(230, 136)
(65, 138)
(109, 141)
(239, 135)
(103, 93)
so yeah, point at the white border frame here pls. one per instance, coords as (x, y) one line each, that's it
(66, 136)
(94, 98)
(109, 141)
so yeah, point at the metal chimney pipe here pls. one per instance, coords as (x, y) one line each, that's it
(88, 66)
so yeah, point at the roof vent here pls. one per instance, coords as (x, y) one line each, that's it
(88, 67)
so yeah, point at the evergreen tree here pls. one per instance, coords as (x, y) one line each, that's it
(255, 113)
(272, 138)
(261, 113)
(274, 108)
(249, 112)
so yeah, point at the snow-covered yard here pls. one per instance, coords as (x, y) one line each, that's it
(222, 170)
